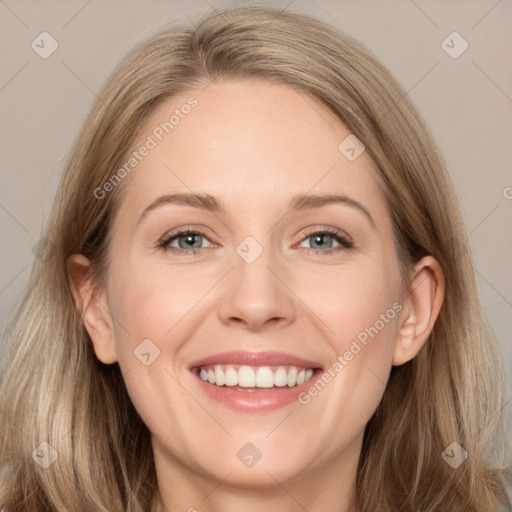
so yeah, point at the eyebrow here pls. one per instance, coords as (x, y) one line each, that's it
(213, 204)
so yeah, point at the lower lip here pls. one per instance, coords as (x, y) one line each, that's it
(255, 401)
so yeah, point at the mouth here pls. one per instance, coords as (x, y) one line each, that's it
(254, 382)
(255, 378)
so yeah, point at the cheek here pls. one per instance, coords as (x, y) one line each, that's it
(366, 325)
(152, 302)
(362, 315)
(360, 304)
(155, 310)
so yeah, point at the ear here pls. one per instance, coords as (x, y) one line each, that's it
(421, 308)
(91, 300)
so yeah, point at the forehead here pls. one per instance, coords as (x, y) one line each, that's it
(250, 143)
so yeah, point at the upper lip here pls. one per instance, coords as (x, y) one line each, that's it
(268, 358)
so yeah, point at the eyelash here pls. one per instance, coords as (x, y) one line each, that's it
(345, 243)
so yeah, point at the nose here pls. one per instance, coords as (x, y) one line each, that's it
(257, 296)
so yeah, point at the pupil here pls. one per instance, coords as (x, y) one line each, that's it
(190, 239)
(319, 238)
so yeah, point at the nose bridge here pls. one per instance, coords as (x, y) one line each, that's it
(253, 261)
(256, 295)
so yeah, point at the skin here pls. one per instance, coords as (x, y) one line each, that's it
(254, 145)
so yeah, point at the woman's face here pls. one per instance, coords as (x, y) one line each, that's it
(212, 342)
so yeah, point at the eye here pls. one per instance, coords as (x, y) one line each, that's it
(324, 246)
(188, 241)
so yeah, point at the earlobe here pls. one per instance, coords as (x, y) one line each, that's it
(423, 303)
(91, 301)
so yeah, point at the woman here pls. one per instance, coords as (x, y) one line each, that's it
(182, 349)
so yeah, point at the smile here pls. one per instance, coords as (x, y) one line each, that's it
(254, 381)
(265, 377)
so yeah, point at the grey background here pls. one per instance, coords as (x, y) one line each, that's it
(467, 103)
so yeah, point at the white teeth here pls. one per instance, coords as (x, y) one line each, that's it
(292, 376)
(219, 376)
(231, 376)
(259, 376)
(264, 377)
(246, 377)
(280, 377)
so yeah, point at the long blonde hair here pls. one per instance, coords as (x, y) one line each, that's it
(54, 390)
